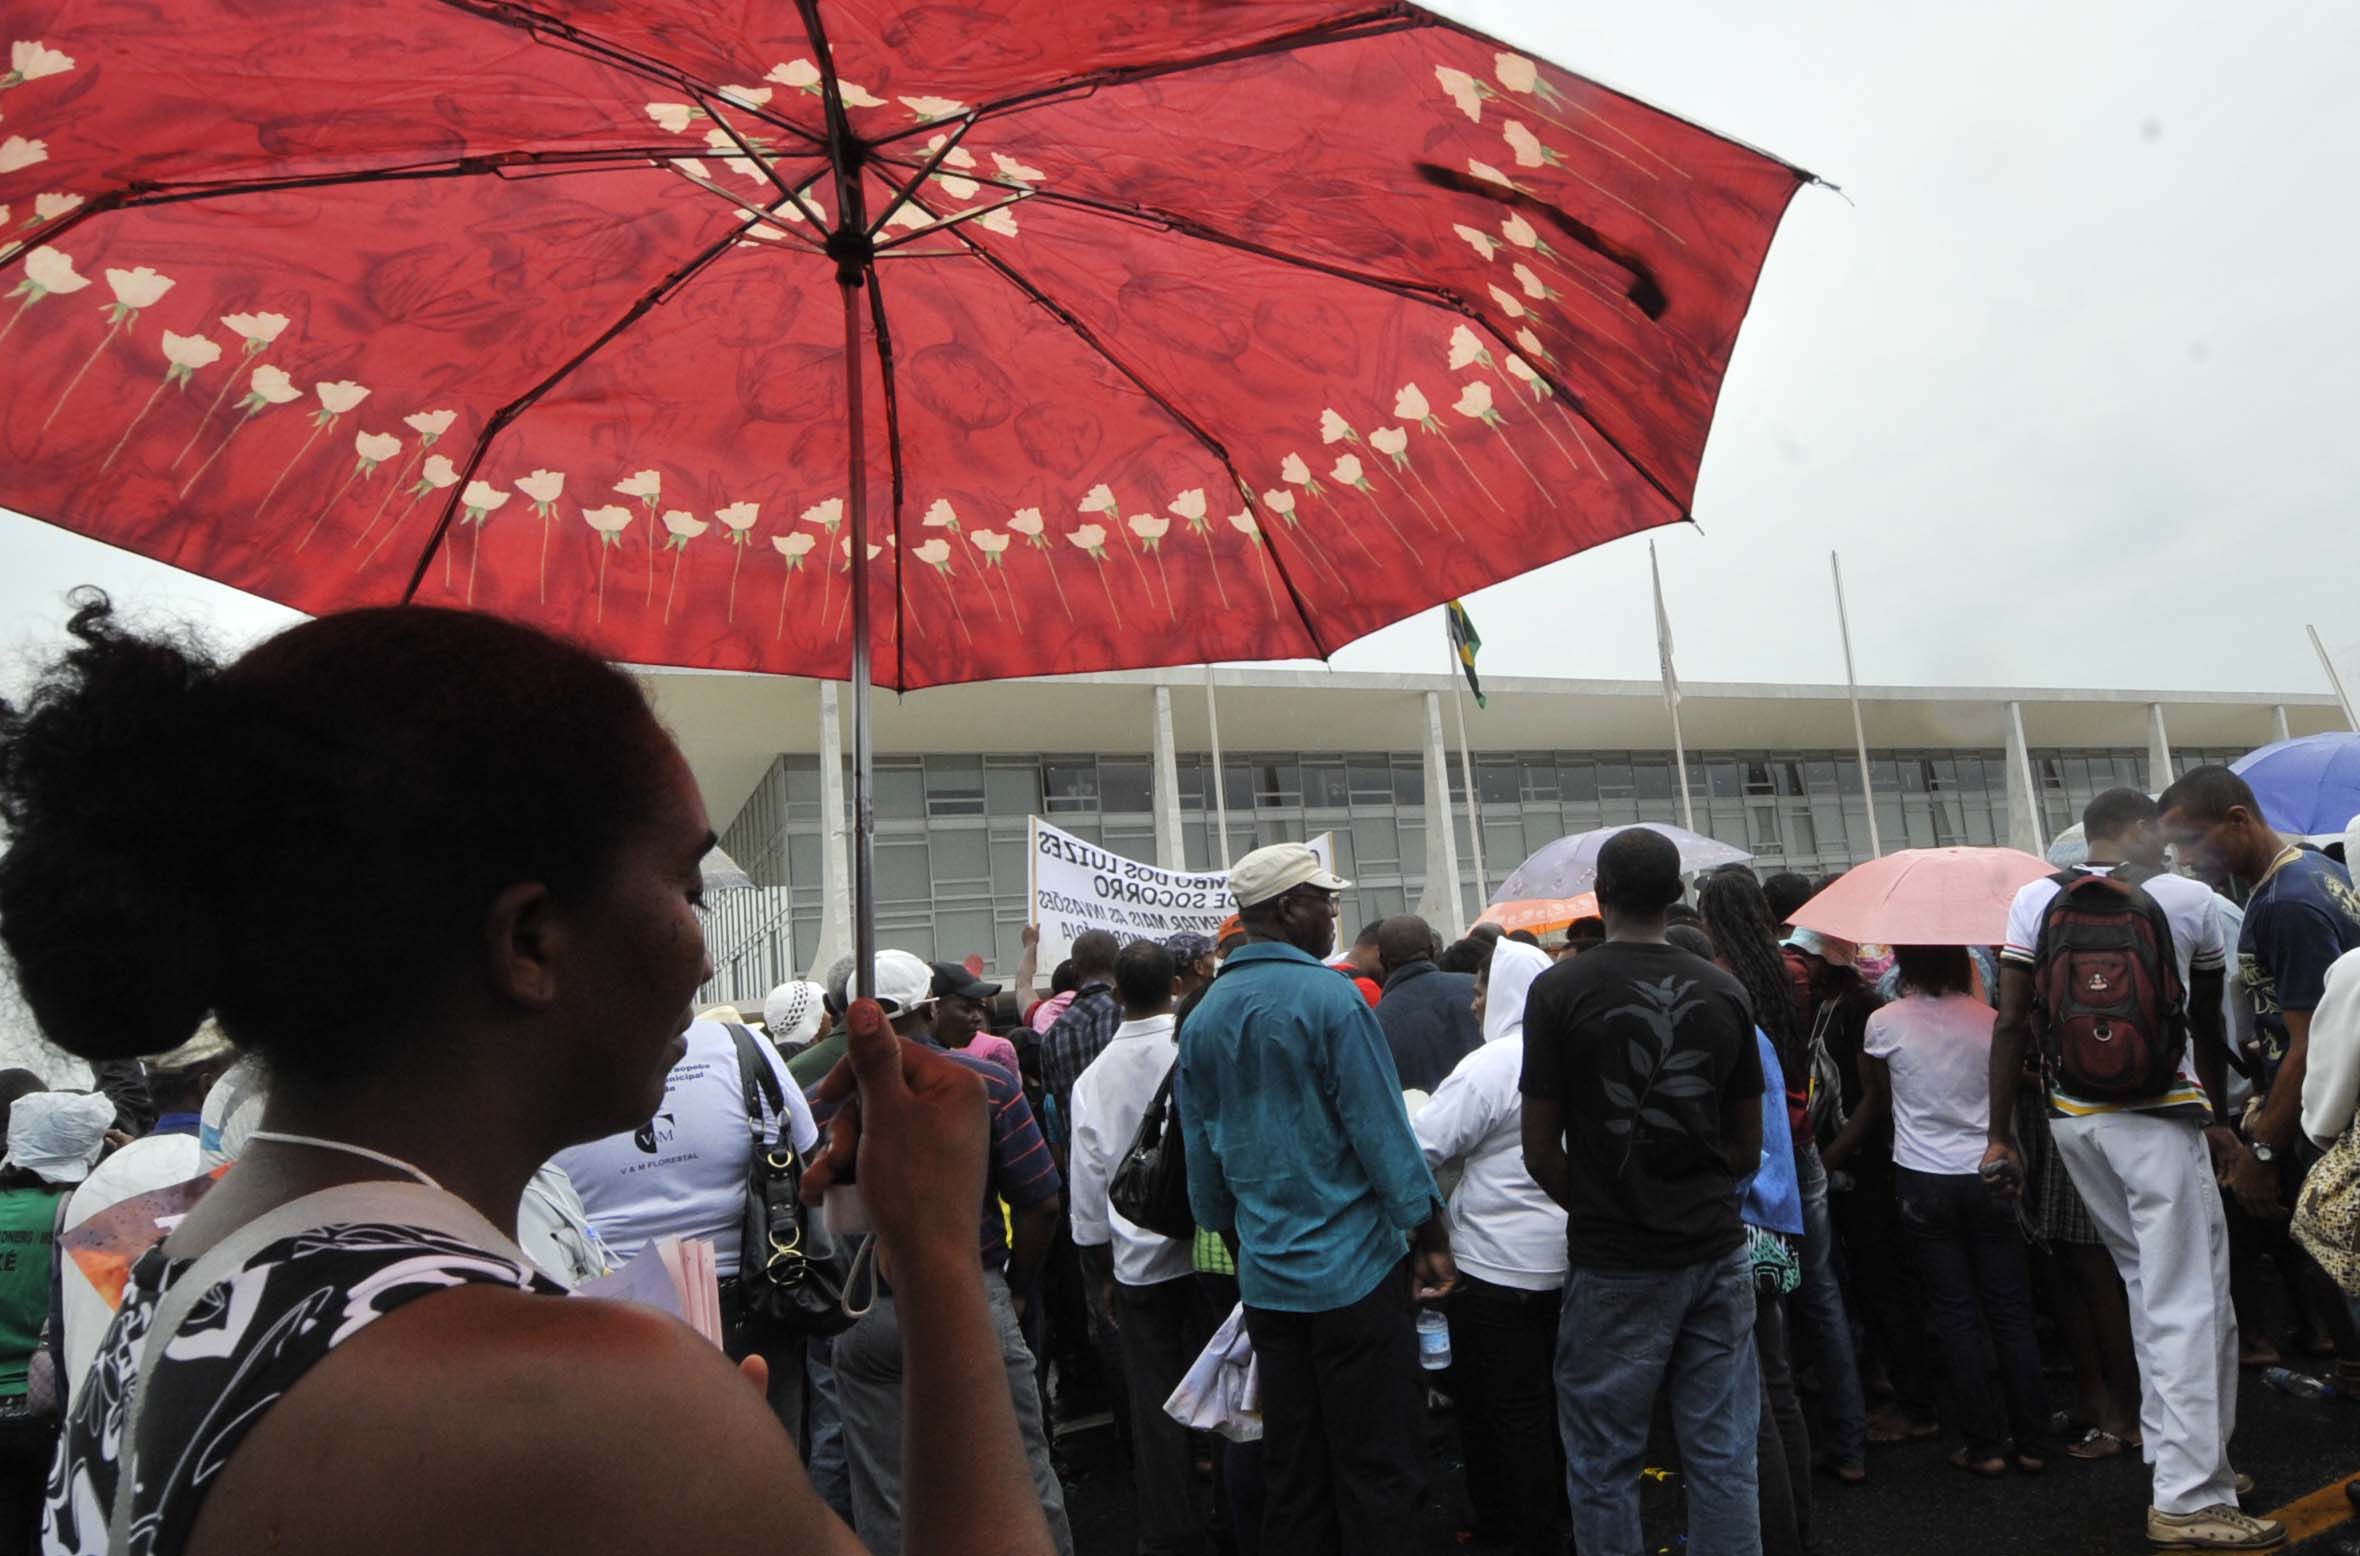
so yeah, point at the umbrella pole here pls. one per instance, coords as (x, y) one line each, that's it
(864, 811)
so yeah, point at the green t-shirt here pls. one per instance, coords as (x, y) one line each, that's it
(28, 1250)
(813, 1063)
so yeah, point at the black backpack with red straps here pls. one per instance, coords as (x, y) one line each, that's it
(2107, 1001)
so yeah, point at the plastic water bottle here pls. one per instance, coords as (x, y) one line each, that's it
(2300, 1384)
(1433, 1339)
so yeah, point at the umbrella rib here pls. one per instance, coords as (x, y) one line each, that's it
(555, 32)
(1372, 23)
(1089, 338)
(1434, 296)
(664, 288)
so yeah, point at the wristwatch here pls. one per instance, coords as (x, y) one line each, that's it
(2262, 1153)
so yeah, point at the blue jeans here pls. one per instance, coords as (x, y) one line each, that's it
(1621, 1336)
(824, 1451)
(1818, 1305)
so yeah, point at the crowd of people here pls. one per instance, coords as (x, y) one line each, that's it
(1688, 1185)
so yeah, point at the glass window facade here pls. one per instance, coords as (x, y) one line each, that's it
(950, 856)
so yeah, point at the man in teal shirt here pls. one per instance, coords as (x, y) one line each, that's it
(1300, 1155)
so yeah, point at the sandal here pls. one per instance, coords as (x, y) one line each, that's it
(2030, 1463)
(1990, 1469)
(2095, 1444)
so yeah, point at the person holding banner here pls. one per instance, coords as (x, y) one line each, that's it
(1300, 1157)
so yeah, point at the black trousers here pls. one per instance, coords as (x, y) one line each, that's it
(1503, 1344)
(1970, 1255)
(1160, 1330)
(1343, 1417)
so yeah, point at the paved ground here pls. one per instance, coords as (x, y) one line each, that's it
(2298, 1451)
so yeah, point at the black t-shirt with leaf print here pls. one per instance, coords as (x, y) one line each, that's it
(1643, 1046)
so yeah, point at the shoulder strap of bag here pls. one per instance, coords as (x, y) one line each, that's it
(400, 1204)
(759, 1083)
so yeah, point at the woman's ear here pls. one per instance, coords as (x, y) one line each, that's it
(522, 945)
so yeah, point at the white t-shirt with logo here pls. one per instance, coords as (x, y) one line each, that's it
(1937, 1050)
(2198, 944)
(684, 1172)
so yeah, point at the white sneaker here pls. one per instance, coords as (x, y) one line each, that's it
(2216, 1528)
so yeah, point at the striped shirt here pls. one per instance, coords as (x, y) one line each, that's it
(1022, 1172)
(1076, 1038)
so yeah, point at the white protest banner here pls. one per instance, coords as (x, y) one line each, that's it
(1078, 885)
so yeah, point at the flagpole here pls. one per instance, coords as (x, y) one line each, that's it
(1868, 795)
(1671, 692)
(2333, 679)
(1458, 703)
(1220, 779)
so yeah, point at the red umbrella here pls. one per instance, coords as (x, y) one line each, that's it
(1310, 314)
(1925, 896)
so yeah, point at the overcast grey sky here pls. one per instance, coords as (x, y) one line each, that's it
(2085, 325)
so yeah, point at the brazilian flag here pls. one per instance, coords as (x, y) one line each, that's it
(1465, 642)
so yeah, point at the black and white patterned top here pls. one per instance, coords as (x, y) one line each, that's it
(244, 1345)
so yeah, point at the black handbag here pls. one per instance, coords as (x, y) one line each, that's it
(790, 1279)
(1150, 1184)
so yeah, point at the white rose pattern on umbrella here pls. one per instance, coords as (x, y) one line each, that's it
(1244, 524)
(1001, 221)
(1016, 172)
(1189, 507)
(258, 331)
(647, 487)
(17, 153)
(134, 290)
(681, 527)
(1092, 539)
(1467, 349)
(1348, 472)
(1522, 76)
(544, 487)
(608, 523)
(930, 109)
(47, 272)
(1151, 530)
(477, 505)
(1475, 403)
(800, 74)
(1101, 501)
(1410, 405)
(370, 449)
(1521, 371)
(737, 522)
(336, 397)
(32, 60)
(1464, 90)
(1480, 242)
(429, 425)
(1492, 175)
(827, 515)
(1280, 501)
(936, 554)
(1295, 470)
(674, 118)
(437, 474)
(183, 355)
(1029, 523)
(992, 546)
(268, 386)
(1393, 443)
(792, 548)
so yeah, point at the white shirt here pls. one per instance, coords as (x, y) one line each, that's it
(1938, 1052)
(2331, 1081)
(684, 1173)
(1503, 1229)
(2198, 943)
(1109, 1100)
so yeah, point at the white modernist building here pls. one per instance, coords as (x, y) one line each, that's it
(1127, 760)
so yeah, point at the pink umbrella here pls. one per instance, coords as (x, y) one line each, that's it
(1925, 896)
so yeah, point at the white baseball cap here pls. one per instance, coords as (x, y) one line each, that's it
(903, 982)
(1266, 872)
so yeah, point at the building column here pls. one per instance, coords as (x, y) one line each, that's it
(2278, 729)
(835, 869)
(1170, 849)
(2024, 830)
(2160, 771)
(1440, 903)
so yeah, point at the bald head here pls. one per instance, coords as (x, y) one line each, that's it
(1402, 939)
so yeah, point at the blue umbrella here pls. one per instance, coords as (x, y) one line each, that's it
(2309, 785)
(1569, 866)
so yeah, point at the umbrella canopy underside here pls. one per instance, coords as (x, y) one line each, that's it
(1310, 315)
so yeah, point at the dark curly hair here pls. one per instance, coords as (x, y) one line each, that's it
(1745, 939)
(304, 842)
